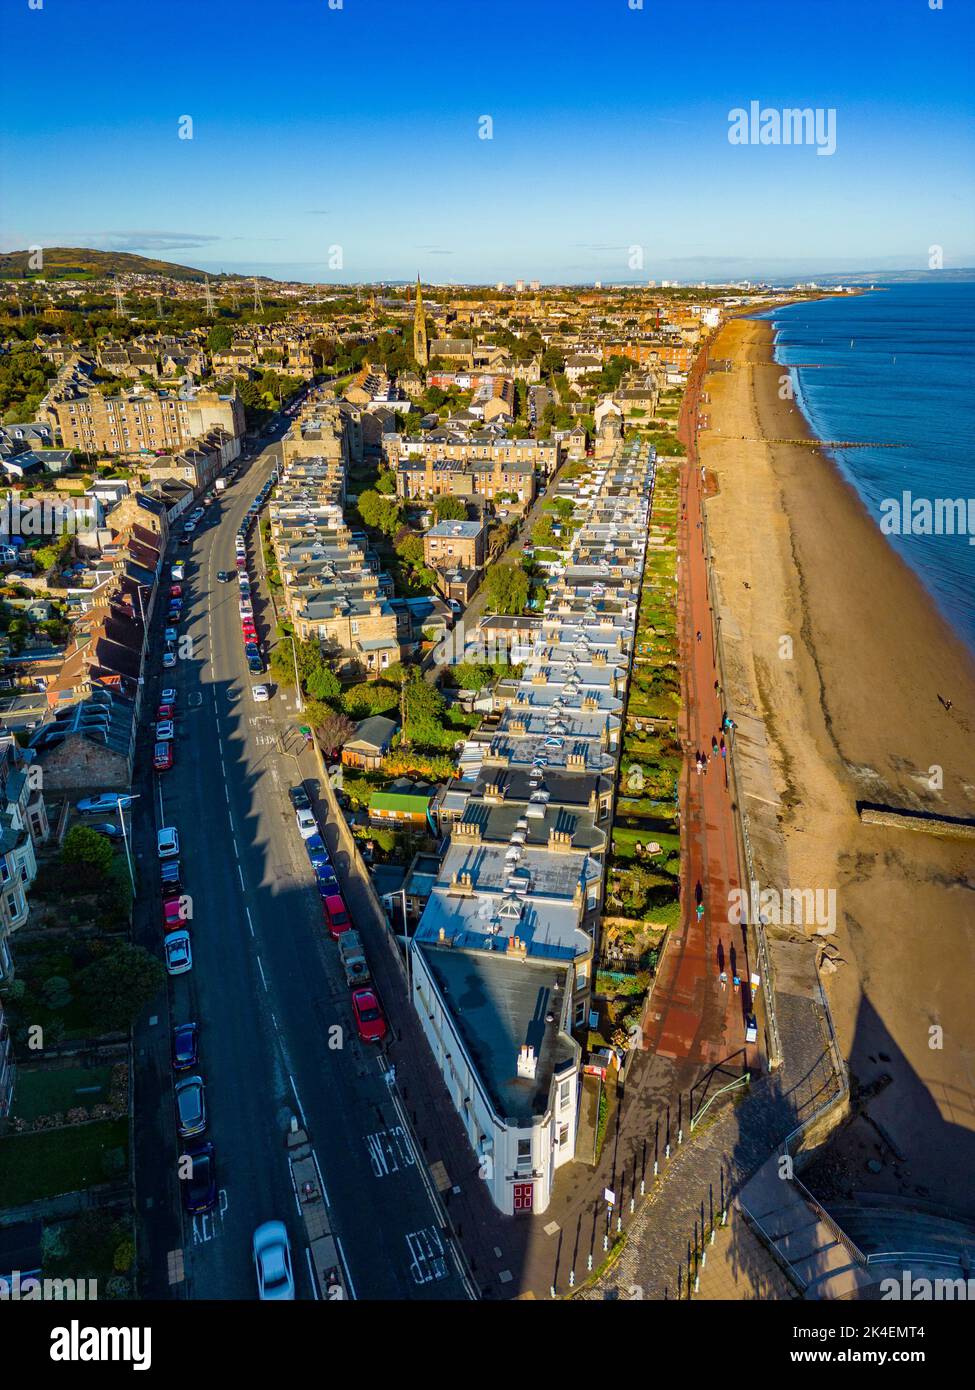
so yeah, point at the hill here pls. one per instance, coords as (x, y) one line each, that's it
(79, 263)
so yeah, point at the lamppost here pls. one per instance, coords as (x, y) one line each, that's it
(125, 838)
(294, 653)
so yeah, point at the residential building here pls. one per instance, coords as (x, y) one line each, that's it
(452, 545)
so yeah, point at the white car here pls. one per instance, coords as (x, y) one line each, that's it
(179, 952)
(168, 696)
(167, 842)
(164, 730)
(307, 824)
(178, 572)
(260, 693)
(272, 1262)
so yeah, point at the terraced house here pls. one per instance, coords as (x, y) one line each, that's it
(503, 954)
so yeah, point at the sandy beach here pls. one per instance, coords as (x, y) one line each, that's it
(839, 652)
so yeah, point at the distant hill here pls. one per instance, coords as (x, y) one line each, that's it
(79, 263)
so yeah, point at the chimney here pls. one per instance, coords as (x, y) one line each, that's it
(517, 948)
(527, 1063)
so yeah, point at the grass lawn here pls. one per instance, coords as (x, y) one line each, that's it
(54, 1089)
(46, 1164)
(625, 841)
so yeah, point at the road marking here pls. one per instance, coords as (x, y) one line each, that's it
(249, 922)
(389, 1150)
(311, 1269)
(304, 1122)
(241, 877)
(427, 1250)
(263, 980)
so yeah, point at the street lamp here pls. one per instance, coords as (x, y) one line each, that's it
(125, 838)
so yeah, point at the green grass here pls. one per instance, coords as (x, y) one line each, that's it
(48, 1163)
(625, 841)
(48, 1091)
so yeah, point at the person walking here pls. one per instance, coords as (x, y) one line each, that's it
(724, 751)
(699, 634)
(714, 746)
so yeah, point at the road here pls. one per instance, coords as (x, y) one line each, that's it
(277, 1038)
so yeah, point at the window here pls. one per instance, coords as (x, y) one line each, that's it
(565, 1094)
(524, 1154)
(563, 1136)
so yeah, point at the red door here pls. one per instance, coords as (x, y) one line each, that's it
(524, 1196)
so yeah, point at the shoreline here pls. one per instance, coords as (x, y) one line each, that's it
(837, 657)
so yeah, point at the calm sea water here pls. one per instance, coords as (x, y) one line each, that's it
(898, 365)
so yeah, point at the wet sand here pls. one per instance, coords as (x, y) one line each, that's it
(843, 656)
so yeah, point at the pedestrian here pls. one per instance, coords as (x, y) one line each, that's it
(717, 688)
(724, 750)
(700, 911)
(714, 745)
(699, 634)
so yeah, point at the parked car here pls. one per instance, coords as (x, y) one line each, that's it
(185, 1045)
(255, 665)
(260, 693)
(224, 576)
(175, 591)
(171, 634)
(162, 757)
(306, 822)
(105, 801)
(191, 1106)
(336, 915)
(179, 952)
(167, 842)
(165, 710)
(200, 1188)
(299, 798)
(178, 570)
(108, 829)
(173, 918)
(272, 1262)
(370, 1021)
(165, 729)
(325, 880)
(171, 876)
(169, 660)
(317, 853)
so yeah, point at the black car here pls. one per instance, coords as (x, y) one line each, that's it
(255, 665)
(185, 1040)
(299, 798)
(184, 540)
(172, 880)
(200, 1188)
(224, 576)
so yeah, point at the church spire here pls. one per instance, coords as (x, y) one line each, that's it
(420, 350)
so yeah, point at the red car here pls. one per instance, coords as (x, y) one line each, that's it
(166, 712)
(336, 915)
(175, 591)
(162, 757)
(173, 918)
(370, 1021)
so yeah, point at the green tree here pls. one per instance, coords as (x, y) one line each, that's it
(120, 984)
(423, 710)
(506, 589)
(82, 845)
(469, 675)
(322, 683)
(449, 508)
(360, 701)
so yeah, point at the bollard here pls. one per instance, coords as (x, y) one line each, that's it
(632, 1206)
(704, 1259)
(572, 1278)
(724, 1216)
(589, 1261)
(711, 1242)
(697, 1283)
(552, 1291)
(642, 1188)
(680, 1137)
(667, 1151)
(605, 1242)
(619, 1224)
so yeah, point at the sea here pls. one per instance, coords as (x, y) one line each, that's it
(896, 365)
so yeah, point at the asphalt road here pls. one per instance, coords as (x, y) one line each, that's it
(276, 1032)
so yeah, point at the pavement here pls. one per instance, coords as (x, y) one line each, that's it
(276, 1030)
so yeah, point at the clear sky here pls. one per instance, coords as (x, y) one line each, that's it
(316, 128)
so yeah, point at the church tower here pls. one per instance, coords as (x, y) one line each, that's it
(420, 351)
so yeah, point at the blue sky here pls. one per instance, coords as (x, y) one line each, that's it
(357, 128)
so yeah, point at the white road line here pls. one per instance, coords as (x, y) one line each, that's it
(241, 876)
(249, 922)
(345, 1266)
(311, 1271)
(263, 980)
(304, 1122)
